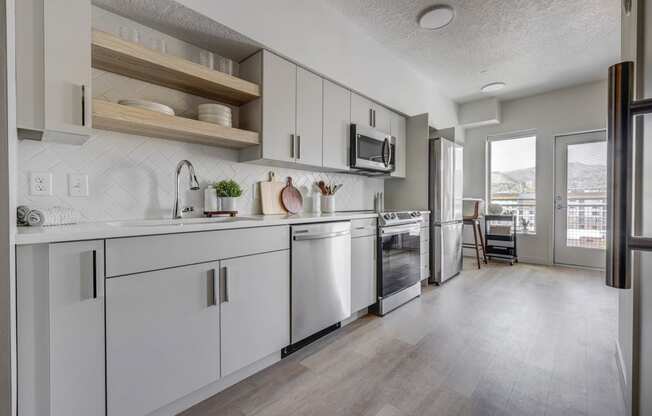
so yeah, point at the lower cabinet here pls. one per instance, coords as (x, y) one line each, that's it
(255, 308)
(163, 336)
(170, 332)
(363, 272)
(60, 329)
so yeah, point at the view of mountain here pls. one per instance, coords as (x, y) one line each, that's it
(581, 178)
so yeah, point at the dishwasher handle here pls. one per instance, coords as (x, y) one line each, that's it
(320, 236)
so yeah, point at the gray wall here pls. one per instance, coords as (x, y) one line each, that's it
(570, 110)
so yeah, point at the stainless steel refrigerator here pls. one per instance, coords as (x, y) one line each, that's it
(445, 204)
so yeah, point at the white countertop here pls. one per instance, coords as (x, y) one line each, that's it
(115, 229)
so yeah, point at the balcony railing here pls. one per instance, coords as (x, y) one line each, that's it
(525, 211)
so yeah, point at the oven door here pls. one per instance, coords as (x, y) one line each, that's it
(371, 149)
(400, 258)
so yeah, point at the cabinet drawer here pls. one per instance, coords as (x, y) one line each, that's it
(140, 254)
(363, 227)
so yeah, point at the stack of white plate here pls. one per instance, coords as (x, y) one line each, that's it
(148, 105)
(215, 113)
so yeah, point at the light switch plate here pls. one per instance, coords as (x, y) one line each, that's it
(40, 183)
(78, 184)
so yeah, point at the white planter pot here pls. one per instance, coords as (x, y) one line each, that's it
(228, 204)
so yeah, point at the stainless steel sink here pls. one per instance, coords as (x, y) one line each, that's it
(179, 222)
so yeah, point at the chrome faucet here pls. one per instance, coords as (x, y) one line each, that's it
(194, 186)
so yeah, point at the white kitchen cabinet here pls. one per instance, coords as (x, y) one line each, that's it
(370, 114)
(382, 118)
(53, 70)
(361, 110)
(398, 130)
(309, 118)
(163, 336)
(337, 120)
(60, 317)
(363, 272)
(255, 308)
(279, 108)
(289, 114)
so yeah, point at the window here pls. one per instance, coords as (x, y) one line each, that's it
(512, 180)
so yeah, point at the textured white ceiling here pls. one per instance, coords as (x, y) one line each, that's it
(532, 45)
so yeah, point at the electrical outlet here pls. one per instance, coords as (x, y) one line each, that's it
(40, 183)
(78, 184)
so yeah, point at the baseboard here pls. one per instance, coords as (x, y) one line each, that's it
(622, 372)
(212, 389)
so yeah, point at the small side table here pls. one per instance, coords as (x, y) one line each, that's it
(477, 231)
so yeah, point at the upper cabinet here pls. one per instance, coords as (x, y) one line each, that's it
(398, 130)
(337, 120)
(368, 113)
(53, 70)
(289, 115)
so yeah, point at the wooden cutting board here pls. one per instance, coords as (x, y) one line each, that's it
(270, 195)
(291, 197)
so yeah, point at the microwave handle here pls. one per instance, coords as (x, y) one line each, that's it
(386, 145)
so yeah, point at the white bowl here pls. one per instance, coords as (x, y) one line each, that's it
(148, 105)
(208, 117)
(223, 123)
(213, 109)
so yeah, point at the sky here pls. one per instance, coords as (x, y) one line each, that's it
(513, 154)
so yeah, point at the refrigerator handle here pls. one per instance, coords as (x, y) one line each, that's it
(620, 161)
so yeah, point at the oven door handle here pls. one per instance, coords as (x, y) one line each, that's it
(400, 229)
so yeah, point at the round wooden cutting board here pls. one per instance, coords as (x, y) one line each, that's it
(291, 197)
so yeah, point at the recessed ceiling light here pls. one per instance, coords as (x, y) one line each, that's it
(493, 87)
(436, 17)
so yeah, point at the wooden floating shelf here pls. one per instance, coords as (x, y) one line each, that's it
(113, 54)
(124, 119)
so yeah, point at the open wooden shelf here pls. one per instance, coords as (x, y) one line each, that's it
(113, 54)
(120, 118)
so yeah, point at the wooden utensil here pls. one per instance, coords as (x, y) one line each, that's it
(291, 197)
(322, 187)
(270, 195)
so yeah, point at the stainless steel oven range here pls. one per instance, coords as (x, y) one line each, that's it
(399, 259)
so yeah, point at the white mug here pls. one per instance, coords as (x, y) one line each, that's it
(328, 203)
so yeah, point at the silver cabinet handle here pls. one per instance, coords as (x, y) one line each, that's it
(225, 277)
(374, 113)
(94, 274)
(620, 168)
(292, 146)
(371, 117)
(212, 292)
(298, 147)
(83, 105)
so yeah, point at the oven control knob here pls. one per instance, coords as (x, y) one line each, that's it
(387, 216)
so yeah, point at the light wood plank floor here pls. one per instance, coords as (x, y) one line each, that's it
(521, 340)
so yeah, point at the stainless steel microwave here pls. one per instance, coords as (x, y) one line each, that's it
(371, 150)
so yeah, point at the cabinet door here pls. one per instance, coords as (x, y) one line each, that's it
(77, 328)
(382, 118)
(279, 108)
(361, 110)
(363, 272)
(67, 65)
(255, 308)
(337, 114)
(398, 130)
(163, 339)
(309, 130)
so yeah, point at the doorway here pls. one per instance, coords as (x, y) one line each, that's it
(581, 199)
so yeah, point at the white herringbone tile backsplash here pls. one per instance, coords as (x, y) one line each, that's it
(132, 177)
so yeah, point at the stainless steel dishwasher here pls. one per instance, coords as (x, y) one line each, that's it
(321, 277)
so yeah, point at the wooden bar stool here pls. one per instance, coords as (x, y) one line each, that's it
(477, 231)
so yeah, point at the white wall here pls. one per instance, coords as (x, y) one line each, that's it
(569, 110)
(321, 38)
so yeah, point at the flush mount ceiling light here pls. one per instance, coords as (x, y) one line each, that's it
(493, 87)
(436, 17)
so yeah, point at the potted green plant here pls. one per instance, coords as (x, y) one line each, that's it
(228, 191)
